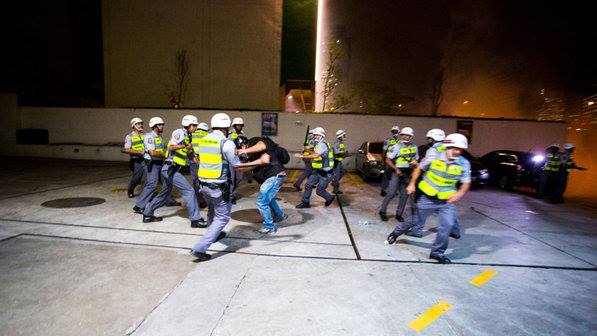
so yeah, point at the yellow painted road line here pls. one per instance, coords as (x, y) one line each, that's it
(483, 277)
(355, 180)
(429, 316)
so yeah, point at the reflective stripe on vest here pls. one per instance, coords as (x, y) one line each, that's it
(405, 156)
(179, 156)
(392, 143)
(233, 135)
(319, 162)
(569, 163)
(198, 134)
(341, 151)
(210, 158)
(552, 163)
(440, 180)
(137, 144)
(159, 147)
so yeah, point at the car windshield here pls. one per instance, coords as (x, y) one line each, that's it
(376, 147)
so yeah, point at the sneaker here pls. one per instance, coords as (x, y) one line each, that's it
(303, 205)
(383, 193)
(149, 219)
(399, 218)
(200, 256)
(200, 223)
(327, 203)
(281, 219)
(455, 235)
(338, 192)
(392, 238)
(267, 231)
(383, 216)
(131, 195)
(298, 188)
(138, 210)
(440, 259)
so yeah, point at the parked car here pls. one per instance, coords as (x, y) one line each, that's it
(479, 171)
(369, 161)
(508, 168)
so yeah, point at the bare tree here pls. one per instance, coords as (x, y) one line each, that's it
(437, 93)
(181, 79)
(333, 75)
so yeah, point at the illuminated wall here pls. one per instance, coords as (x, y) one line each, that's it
(233, 48)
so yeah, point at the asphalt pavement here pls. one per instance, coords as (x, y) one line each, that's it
(75, 259)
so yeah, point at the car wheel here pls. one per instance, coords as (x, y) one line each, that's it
(505, 183)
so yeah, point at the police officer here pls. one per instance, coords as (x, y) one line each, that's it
(401, 160)
(240, 141)
(387, 146)
(217, 160)
(154, 159)
(566, 165)
(307, 149)
(322, 161)
(434, 136)
(439, 193)
(202, 131)
(178, 148)
(550, 172)
(133, 145)
(339, 155)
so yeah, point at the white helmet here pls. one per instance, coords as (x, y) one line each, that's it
(340, 133)
(456, 140)
(436, 134)
(220, 120)
(407, 131)
(135, 120)
(203, 127)
(395, 128)
(189, 119)
(237, 121)
(319, 131)
(569, 146)
(155, 120)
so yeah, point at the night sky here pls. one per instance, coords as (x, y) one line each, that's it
(55, 54)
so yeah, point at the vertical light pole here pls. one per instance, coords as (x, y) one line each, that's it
(319, 59)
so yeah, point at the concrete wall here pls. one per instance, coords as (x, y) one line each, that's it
(102, 127)
(233, 68)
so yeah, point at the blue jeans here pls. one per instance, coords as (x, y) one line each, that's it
(447, 219)
(266, 200)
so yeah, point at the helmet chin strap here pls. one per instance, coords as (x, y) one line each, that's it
(138, 128)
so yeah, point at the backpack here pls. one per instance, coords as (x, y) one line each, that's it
(283, 155)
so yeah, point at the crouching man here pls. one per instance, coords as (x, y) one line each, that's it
(270, 174)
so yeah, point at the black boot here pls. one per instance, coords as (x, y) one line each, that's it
(383, 216)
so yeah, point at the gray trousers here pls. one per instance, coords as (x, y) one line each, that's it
(153, 178)
(305, 174)
(218, 215)
(321, 182)
(447, 218)
(194, 168)
(181, 183)
(385, 179)
(419, 223)
(397, 184)
(339, 172)
(139, 172)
